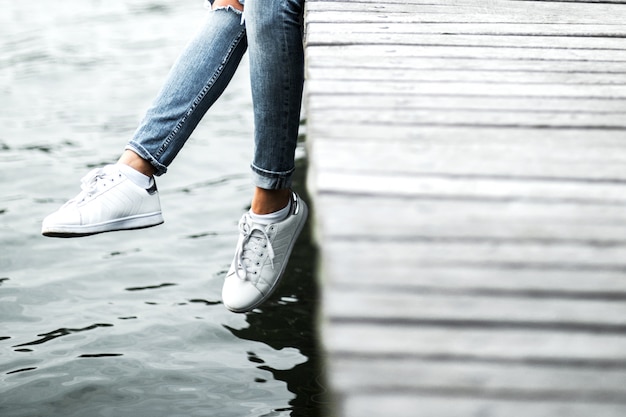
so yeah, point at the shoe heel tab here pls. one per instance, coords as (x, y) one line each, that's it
(295, 205)
(153, 188)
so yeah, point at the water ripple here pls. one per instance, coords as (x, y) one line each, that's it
(70, 99)
(151, 287)
(99, 355)
(205, 302)
(21, 370)
(46, 337)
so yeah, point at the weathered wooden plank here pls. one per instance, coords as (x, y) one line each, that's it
(579, 30)
(573, 1)
(411, 6)
(520, 254)
(380, 305)
(579, 381)
(465, 75)
(482, 226)
(497, 190)
(461, 88)
(386, 61)
(345, 53)
(415, 14)
(337, 103)
(512, 11)
(470, 118)
(392, 268)
(395, 137)
(334, 106)
(505, 153)
(385, 270)
(456, 3)
(494, 343)
(540, 42)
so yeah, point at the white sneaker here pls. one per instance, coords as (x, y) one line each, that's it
(108, 201)
(261, 257)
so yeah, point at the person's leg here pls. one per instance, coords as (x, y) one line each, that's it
(117, 197)
(185, 65)
(277, 77)
(269, 230)
(195, 82)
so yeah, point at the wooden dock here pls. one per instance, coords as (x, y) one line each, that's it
(468, 175)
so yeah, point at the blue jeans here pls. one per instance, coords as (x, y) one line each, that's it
(271, 30)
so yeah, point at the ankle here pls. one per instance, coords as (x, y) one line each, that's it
(269, 201)
(136, 162)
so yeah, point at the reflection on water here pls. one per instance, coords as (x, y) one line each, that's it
(131, 323)
(295, 327)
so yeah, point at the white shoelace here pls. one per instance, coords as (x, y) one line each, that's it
(252, 247)
(89, 183)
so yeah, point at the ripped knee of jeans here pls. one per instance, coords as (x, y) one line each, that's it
(234, 5)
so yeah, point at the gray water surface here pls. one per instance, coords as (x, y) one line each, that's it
(131, 323)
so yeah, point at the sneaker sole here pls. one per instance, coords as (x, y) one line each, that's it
(128, 223)
(305, 212)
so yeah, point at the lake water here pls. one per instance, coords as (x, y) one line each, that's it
(131, 323)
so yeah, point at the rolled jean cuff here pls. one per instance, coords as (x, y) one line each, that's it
(271, 180)
(142, 152)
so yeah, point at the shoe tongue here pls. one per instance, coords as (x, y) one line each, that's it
(256, 232)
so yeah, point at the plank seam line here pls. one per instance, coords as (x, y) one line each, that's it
(482, 240)
(339, 61)
(574, 270)
(404, 107)
(398, 18)
(401, 94)
(477, 324)
(476, 82)
(321, 28)
(530, 361)
(578, 396)
(509, 126)
(485, 292)
(514, 265)
(318, 18)
(472, 198)
(338, 43)
(348, 66)
(416, 36)
(571, 1)
(522, 266)
(455, 6)
(383, 24)
(481, 177)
